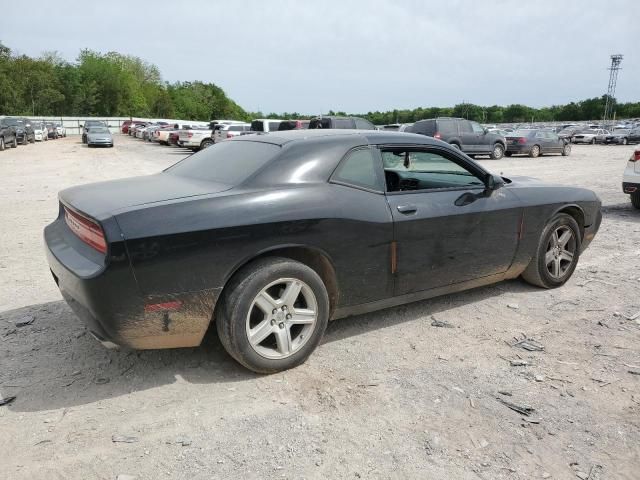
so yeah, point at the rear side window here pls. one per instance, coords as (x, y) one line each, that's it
(273, 126)
(320, 123)
(226, 162)
(465, 126)
(360, 168)
(257, 126)
(448, 127)
(477, 128)
(343, 123)
(425, 127)
(236, 128)
(363, 124)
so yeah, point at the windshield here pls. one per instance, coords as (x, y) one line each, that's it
(621, 130)
(98, 130)
(230, 162)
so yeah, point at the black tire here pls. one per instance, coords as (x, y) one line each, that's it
(15, 142)
(593, 141)
(535, 151)
(635, 199)
(508, 154)
(25, 140)
(625, 141)
(537, 272)
(498, 151)
(237, 300)
(455, 145)
(206, 143)
(566, 150)
(2, 144)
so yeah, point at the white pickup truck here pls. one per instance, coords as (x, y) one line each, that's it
(195, 138)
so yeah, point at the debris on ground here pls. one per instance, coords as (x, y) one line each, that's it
(124, 476)
(6, 400)
(523, 409)
(513, 306)
(440, 323)
(24, 321)
(184, 441)
(634, 371)
(123, 439)
(529, 344)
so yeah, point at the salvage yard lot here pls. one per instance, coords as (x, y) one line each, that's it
(386, 395)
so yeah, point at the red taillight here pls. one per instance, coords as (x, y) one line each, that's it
(522, 140)
(86, 230)
(635, 157)
(229, 136)
(437, 135)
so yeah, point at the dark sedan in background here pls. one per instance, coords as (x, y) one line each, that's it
(623, 136)
(535, 143)
(270, 236)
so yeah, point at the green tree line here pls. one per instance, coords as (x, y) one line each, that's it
(104, 85)
(590, 109)
(112, 84)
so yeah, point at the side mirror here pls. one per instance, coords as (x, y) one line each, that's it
(486, 130)
(493, 182)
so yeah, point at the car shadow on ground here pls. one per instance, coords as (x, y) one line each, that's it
(623, 212)
(54, 362)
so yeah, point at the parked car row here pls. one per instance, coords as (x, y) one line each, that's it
(16, 131)
(197, 136)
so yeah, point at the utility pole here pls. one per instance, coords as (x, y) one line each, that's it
(616, 60)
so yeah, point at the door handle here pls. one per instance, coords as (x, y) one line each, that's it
(407, 209)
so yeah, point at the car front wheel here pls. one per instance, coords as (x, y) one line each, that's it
(498, 151)
(206, 143)
(557, 253)
(635, 199)
(566, 151)
(273, 314)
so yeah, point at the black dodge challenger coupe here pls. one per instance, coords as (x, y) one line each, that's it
(272, 235)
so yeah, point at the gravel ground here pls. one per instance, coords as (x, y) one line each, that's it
(386, 395)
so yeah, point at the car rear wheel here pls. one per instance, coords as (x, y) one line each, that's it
(593, 141)
(566, 151)
(498, 151)
(206, 143)
(635, 199)
(273, 314)
(1, 144)
(455, 145)
(535, 151)
(625, 141)
(557, 253)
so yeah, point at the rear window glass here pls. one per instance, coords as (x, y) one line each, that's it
(343, 123)
(424, 127)
(98, 130)
(257, 126)
(226, 162)
(522, 133)
(273, 126)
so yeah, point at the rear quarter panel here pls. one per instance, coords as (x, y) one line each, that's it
(198, 244)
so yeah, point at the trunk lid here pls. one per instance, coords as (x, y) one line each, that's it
(104, 199)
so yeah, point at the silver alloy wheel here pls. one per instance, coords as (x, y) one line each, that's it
(535, 151)
(498, 151)
(282, 318)
(561, 250)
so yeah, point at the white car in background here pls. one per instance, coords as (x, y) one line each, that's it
(591, 136)
(40, 131)
(631, 178)
(62, 131)
(222, 132)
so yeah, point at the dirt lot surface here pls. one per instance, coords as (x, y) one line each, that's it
(386, 395)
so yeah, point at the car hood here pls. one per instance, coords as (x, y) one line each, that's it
(105, 199)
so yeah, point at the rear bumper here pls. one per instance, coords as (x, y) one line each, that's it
(517, 148)
(106, 297)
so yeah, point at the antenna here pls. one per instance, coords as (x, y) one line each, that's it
(616, 60)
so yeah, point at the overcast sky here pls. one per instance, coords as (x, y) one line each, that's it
(354, 55)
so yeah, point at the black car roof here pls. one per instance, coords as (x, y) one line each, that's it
(370, 136)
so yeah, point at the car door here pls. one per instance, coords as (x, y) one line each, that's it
(468, 137)
(555, 144)
(481, 138)
(448, 227)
